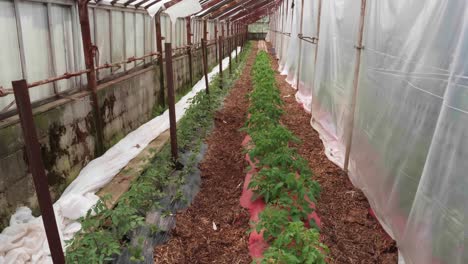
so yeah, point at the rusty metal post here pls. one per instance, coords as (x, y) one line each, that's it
(246, 37)
(357, 66)
(229, 47)
(159, 39)
(205, 29)
(241, 38)
(36, 167)
(222, 34)
(216, 39)
(189, 51)
(171, 101)
(205, 64)
(220, 51)
(236, 41)
(91, 75)
(205, 37)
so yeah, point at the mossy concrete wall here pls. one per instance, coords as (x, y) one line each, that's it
(66, 130)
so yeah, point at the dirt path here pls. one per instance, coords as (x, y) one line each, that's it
(349, 230)
(194, 239)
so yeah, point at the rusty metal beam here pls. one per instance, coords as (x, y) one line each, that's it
(141, 3)
(128, 2)
(172, 3)
(214, 4)
(36, 167)
(228, 6)
(252, 17)
(251, 11)
(244, 8)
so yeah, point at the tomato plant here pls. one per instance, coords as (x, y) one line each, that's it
(284, 179)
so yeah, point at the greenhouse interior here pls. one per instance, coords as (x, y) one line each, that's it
(234, 131)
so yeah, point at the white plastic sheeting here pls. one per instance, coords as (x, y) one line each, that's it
(410, 139)
(24, 241)
(181, 9)
(50, 47)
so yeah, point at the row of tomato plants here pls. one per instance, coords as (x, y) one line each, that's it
(283, 178)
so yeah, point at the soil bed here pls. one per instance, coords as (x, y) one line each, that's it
(194, 239)
(352, 234)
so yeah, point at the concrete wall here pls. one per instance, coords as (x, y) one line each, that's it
(67, 134)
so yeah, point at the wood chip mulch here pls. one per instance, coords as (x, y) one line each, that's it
(351, 233)
(194, 239)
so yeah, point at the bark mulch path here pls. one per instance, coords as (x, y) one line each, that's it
(348, 229)
(194, 239)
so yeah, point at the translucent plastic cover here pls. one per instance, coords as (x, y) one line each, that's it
(409, 147)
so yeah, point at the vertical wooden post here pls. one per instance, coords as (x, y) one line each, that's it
(36, 167)
(171, 101)
(359, 47)
(220, 51)
(159, 46)
(189, 49)
(299, 63)
(91, 75)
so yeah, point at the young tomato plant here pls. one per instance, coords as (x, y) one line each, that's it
(284, 179)
(296, 244)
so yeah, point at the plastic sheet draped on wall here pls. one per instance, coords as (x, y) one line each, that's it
(410, 137)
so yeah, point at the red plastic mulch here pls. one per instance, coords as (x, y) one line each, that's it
(352, 234)
(257, 244)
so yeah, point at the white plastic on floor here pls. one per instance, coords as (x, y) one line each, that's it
(24, 241)
(410, 138)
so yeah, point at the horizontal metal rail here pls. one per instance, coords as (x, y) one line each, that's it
(6, 91)
(281, 32)
(117, 65)
(312, 40)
